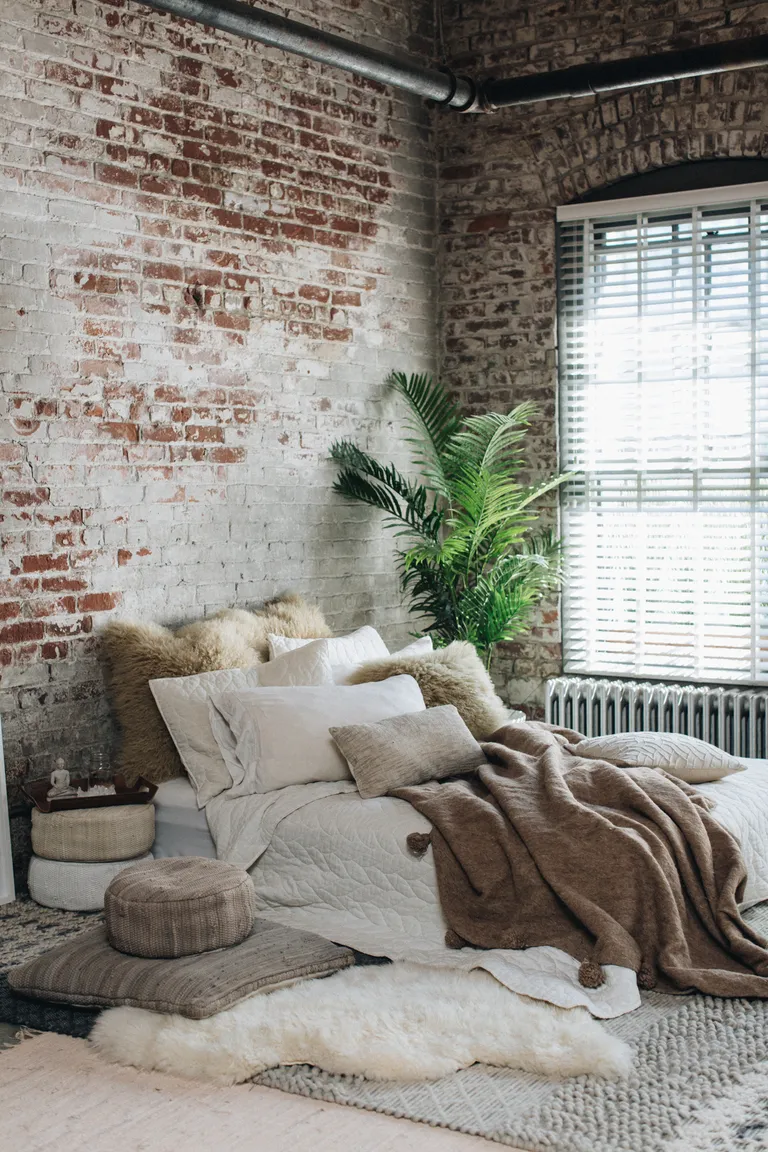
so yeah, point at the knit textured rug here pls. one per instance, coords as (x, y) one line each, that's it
(693, 1057)
(27, 930)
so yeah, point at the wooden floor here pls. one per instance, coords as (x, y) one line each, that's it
(57, 1095)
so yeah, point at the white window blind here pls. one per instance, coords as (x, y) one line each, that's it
(663, 355)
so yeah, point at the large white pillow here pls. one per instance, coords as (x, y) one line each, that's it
(364, 644)
(183, 704)
(281, 734)
(309, 664)
(691, 760)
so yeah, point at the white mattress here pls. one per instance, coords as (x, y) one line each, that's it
(181, 828)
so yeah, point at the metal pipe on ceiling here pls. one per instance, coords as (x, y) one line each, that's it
(635, 72)
(441, 86)
(435, 84)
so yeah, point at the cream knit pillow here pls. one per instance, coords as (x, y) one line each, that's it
(691, 760)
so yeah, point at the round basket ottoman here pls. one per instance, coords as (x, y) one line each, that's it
(90, 835)
(76, 887)
(179, 906)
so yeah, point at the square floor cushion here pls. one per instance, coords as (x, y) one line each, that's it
(89, 972)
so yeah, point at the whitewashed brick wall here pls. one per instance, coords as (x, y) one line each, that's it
(211, 256)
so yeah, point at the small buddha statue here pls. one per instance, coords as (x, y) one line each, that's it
(61, 788)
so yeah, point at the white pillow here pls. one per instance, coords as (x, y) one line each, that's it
(691, 760)
(365, 644)
(309, 664)
(342, 672)
(417, 647)
(183, 704)
(281, 734)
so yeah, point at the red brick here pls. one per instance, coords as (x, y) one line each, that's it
(120, 431)
(55, 650)
(202, 192)
(79, 627)
(344, 224)
(491, 222)
(161, 433)
(21, 632)
(164, 271)
(88, 282)
(99, 601)
(111, 174)
(39, 608)
(67, 75)
(63, 584)
(204, 434)
(45, 563)
(9, 610)
(26, 498)
(315, 292)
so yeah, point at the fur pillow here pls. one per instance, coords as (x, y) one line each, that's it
(138, 653)
(453, 675)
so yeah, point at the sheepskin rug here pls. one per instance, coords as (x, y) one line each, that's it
(385, 1022)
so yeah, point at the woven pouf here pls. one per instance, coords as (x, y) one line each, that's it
(179, 906)
(88, 835)
(76, 887)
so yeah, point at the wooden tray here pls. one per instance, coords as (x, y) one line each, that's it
(141, 792)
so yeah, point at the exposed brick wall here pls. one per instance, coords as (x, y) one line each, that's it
(211, 255)
(500, 178)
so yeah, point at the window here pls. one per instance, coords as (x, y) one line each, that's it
(663, 360)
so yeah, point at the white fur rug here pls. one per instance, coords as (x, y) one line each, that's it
(385, 1022)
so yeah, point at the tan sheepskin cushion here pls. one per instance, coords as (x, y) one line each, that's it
(179, 906)
(453, 675)
(137, 653)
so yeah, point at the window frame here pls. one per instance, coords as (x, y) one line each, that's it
(622, 206)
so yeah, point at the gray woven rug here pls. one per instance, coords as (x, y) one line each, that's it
(694, 1056)
(27, 930)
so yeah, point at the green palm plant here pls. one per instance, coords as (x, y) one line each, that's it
(470, 562)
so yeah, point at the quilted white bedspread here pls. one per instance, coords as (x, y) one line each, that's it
(339, 866)
(741, 805)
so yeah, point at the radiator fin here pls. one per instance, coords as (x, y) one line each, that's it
(730, 718)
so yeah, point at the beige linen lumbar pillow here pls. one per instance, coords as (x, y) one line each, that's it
(407, 750)
(691, 760)
(452, 675)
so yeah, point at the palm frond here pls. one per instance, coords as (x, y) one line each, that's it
(434, 420)
(362, 478)
(491, 442)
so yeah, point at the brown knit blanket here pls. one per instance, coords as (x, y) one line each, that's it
(612, 865)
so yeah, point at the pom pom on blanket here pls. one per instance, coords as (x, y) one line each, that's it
(418, 842)
(591, 974)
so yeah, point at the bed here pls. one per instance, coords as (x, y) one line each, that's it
(339, 866)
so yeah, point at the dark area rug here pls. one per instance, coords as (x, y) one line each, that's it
(27, 930)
